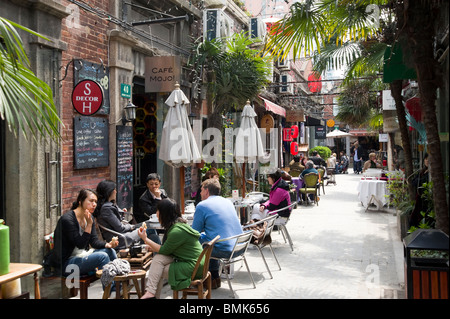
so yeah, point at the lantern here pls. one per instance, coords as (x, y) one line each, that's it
(294, 131)
(294, 148)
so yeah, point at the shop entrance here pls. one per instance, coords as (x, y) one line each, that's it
(145, 138)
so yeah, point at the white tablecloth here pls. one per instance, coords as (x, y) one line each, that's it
(372, 191)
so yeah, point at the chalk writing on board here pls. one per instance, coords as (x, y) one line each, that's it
(124, 140)
(91, 142)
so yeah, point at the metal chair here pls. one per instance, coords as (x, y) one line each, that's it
(310, 186)
(200, 287)
(281, 222)
(238, 254)
(103, 228)
(270, 222)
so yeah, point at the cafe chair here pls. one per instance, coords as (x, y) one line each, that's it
(321, 171)
(295, 172)
(238, 254)
(200, 287)
(281, 222)
(330, 174)
(310, 186)
(106, 229)
(265, 240)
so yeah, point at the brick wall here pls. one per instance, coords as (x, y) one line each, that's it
(86, 36)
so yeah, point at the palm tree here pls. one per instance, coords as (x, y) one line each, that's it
(26, 102)
(232, 73)
(301, 31)
(416, 24)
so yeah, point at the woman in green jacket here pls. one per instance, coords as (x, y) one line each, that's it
(176, 257)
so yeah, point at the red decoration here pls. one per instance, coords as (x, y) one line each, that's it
(314, 82)
(287, 135)
(294, 131)
(294, 148)
(414, 108)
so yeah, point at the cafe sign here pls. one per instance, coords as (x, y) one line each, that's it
(161, 73)
(87, 97)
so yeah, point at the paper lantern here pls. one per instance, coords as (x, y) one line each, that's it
(294, 148)
(294, 131)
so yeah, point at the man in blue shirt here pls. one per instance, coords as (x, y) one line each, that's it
(216, 215)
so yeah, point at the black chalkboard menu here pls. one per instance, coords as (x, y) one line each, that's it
(91, 142)
(124, 140)
(98, 72)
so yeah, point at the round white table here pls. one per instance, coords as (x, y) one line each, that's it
(372, 191)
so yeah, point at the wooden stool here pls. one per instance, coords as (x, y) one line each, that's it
(134, 275)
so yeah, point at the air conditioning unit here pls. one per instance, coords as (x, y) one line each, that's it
(285, 86)
(257, 29)
(216, 24)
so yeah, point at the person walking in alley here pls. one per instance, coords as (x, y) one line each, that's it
(357, 152)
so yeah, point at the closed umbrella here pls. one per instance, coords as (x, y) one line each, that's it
(178, 146)
(248, 146)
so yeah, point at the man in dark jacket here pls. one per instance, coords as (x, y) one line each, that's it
(357, 154)
(317, 160)
(150, 198)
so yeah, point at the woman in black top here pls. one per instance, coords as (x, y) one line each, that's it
(109, 215)
(77, 247)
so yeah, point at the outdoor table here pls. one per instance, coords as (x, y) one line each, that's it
(133, 275)
(299, 184)
(243, 207)
(372, 191)
(19, 270)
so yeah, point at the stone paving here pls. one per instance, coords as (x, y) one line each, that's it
(340, 252)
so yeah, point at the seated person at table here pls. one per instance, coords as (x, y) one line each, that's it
(278, 197)
(331, 161)
(309, 169)
(76, 241)
(176, 257)
(317, 160)
(211, 173)
(372, 162)
(342, 165)
(295, 167)
(216, 215)
(111, 216)
(149, 199)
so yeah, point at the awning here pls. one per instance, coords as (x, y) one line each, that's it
(274, 108)
(312, 121)
(362, 132)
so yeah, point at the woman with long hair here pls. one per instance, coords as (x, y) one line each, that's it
(177, 255)
(109, 215)
(76, 241)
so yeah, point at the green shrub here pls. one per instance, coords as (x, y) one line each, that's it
(323, 151)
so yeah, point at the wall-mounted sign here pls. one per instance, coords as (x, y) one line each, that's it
(99, 73)
(91, 142)
(295, 116)
(161, 73)
(125, 90)
(330, 123)
(267, 122)
(87, 97)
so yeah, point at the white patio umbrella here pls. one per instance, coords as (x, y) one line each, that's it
(178, 146)
(248, 145)
(337, 134)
